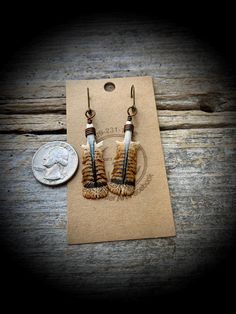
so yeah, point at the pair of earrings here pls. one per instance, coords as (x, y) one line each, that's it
(94, 177)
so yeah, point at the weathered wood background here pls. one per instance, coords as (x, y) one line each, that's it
(195, 96)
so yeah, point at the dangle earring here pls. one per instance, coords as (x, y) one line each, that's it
(94, 178)
(125, 161)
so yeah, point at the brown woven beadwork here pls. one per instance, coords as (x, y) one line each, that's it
(89, 131)
(128, 127)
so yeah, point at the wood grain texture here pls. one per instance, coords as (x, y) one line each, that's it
(209, 102)
(196, 97)
(168, 119)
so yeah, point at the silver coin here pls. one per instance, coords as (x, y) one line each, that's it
(54, 163)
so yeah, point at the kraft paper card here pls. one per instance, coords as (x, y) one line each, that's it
(147, 213)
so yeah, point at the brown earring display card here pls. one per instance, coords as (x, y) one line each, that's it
(147, 213)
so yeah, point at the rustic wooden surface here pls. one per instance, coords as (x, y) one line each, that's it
(195, 95)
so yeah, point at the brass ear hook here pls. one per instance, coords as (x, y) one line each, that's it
(133, 94)
(132, 108)
(89, 109)
(89, 113)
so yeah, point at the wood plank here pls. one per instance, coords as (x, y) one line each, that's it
(207, 102)
(168, 120)
(187, 153)
(191, 154)
(195, 119)
(175, 54)
(33, 106)
(182, 68)
(171, 93)
(32, 123)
